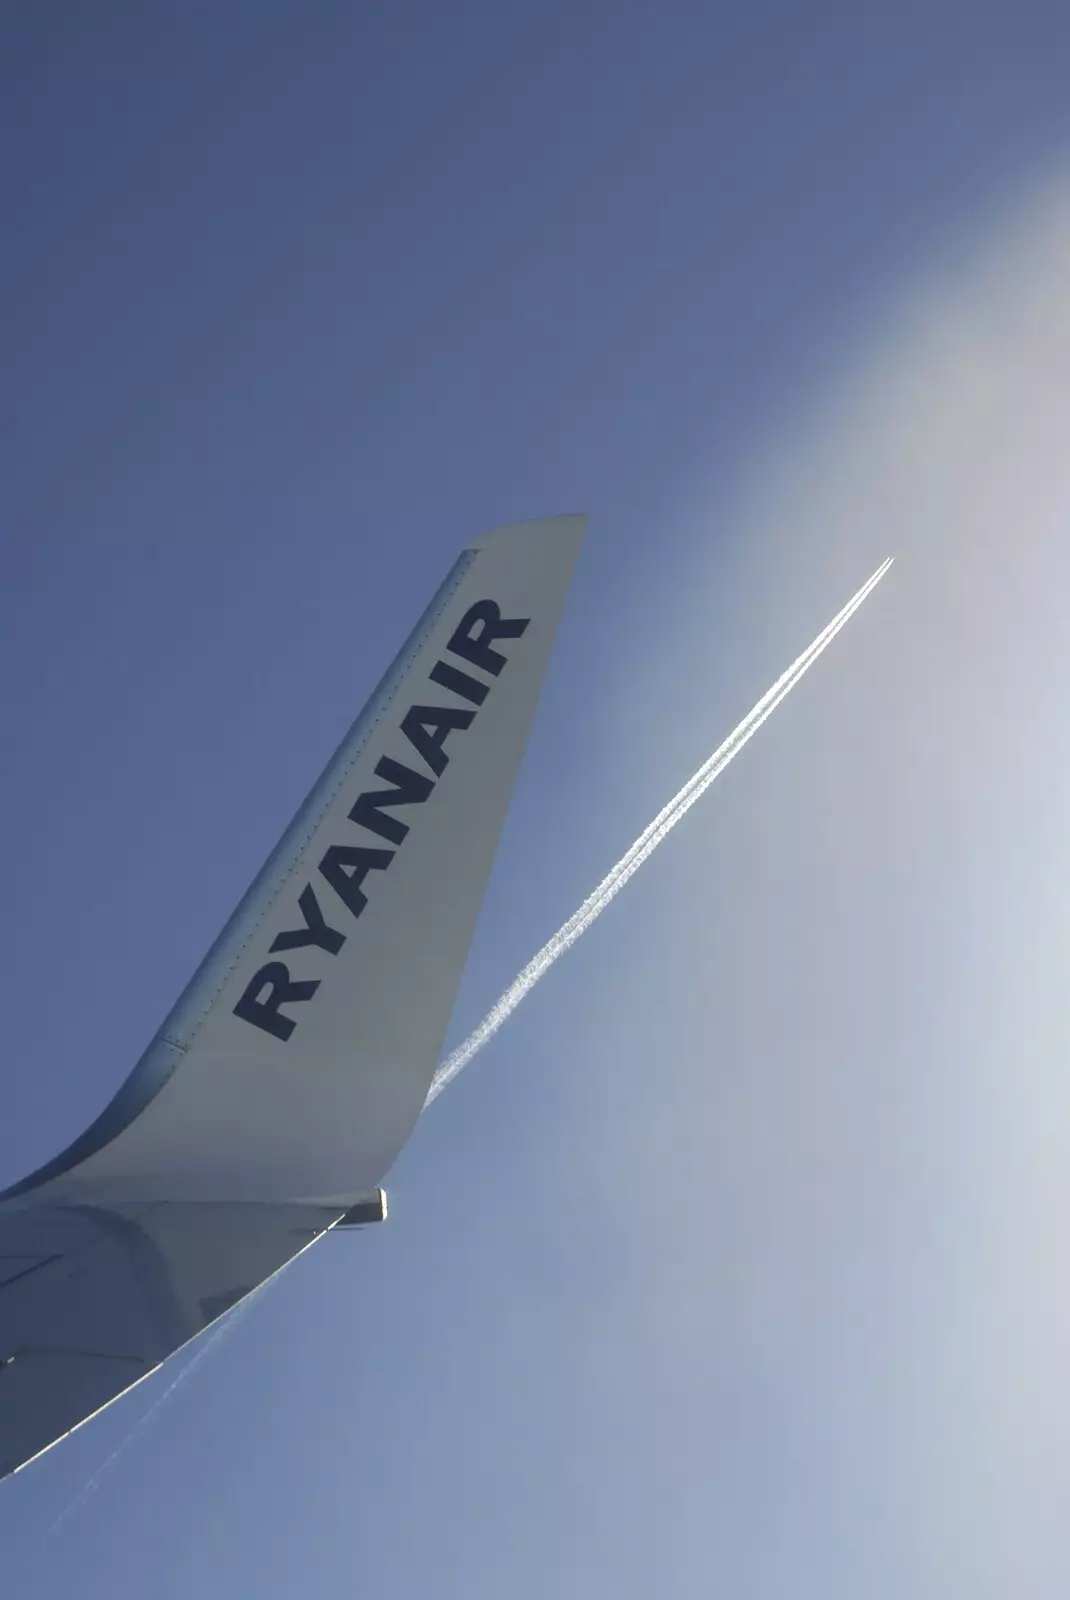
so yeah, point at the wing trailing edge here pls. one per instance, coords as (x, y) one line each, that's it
(279, 1090)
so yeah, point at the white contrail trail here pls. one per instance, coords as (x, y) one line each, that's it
(645, 845)
(225, 1325)
(206, 1342)
(595, 903)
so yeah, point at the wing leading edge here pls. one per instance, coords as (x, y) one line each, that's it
(293, 1068)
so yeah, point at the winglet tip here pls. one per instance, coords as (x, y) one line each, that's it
(567, 527)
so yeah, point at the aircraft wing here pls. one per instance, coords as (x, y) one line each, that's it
(292, 1069)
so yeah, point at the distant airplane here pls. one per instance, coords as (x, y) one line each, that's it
(274, 1098)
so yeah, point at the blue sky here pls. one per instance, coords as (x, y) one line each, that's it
(735, 1263)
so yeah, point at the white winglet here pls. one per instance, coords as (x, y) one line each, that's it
(280, 1089)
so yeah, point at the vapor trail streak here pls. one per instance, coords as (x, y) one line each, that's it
(645, 845)
(595, 903)
(227, 1323)
(206, 1343)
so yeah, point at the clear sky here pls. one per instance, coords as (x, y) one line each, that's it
(736, 1264)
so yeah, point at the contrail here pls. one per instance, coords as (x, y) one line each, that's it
(645, 845)
(225, 1325)
(206, 1343)
(595, 903)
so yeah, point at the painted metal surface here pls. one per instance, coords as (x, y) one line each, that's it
(282, 1085)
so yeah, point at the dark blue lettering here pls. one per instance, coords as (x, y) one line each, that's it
(410, 788)
(315, 930)
(476, 648)
(345, 866)
(461, 683)
(282, 991)
(417, 726)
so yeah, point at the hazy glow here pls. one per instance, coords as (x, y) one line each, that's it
(894, 1129)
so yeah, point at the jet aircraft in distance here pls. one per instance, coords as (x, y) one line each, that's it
(277, 1093)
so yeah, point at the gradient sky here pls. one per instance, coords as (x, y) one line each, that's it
(736, 1265)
